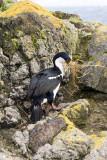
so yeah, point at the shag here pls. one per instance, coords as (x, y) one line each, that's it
(45, 84)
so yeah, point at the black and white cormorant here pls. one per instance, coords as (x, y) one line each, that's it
(45, 84)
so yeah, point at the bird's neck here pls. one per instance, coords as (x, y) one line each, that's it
(59, 65)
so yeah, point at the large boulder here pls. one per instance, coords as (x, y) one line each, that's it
(98, 43)
(29, 38)
(95, 74)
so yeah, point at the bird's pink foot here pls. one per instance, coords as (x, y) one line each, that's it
(59, 107)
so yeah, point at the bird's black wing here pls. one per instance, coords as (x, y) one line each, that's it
(42, 83)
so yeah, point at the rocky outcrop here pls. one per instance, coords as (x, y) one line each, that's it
(100, 148)
(29, 38)
(43, 134)
(72, 143)
(95, 74)
(77, 112)
(98, 44)
(10, 118)
(28, 42)
(62, 15)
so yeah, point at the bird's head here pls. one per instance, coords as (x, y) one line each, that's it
(61, 58)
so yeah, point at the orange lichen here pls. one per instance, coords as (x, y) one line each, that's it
(29, 6)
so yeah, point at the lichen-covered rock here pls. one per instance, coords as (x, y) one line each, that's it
(95, 74)
(43, 134)
(98, 43)
(99, 151)
(34, 66)
(6, 155)
(76, 21)
(21, 139)
(68, 144)
(16, 60)
(20, 74)
(73, 35)
(30, 7)
(28, 47)
(77, 112)
(3, 58)
(62, 15)
(11, 117)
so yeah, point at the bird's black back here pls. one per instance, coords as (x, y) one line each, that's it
(41, 84)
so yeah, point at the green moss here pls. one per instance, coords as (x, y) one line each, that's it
(103, 53)
(75, 20)
(92, 58)
(15, 43)
(34, 39)
(39, 35)
(76, 57)
(6, 5)
(60, 16)
(89, 37)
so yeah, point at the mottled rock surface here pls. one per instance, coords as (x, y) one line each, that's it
(29, 38)
(77, 112)
(99, 152)
(43, 134)
(21, 139)
(95, 74)
(98, 43)
(11, 117)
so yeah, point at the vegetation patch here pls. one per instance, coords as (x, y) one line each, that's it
(92, 58)
(74, 20)
(6, 5)
(60, 16)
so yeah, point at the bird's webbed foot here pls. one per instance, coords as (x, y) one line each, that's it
(59, 107)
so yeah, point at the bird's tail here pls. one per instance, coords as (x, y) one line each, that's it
(37, 113)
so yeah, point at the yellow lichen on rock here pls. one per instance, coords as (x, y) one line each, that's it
(101, 31)
(97, 141)
(29, 6)
(98, 64)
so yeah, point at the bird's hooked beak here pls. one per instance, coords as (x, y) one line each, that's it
(69, 62)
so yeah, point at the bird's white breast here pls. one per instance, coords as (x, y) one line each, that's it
(56, 90)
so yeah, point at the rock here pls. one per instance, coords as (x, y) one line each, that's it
(18, 92)
(98, 42)
(62, 15)
(16, 60)
(34, 66)
(3, 100)
(6, 155)
(76, 21)
(95, 74)
(21, 139)
(77, 112)
(73, 35)
(42, 134)
(42, 48)
(10, 118)
(28, 47)
(20, 74)
(10, 102)
(69, 144)
(99, 151)
(3, 59)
